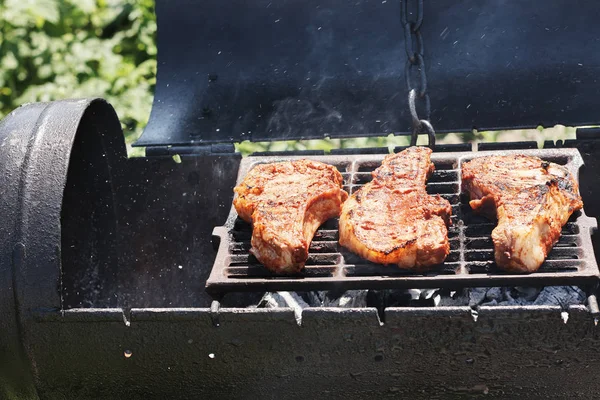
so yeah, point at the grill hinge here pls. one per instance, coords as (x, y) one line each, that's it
(201, 150)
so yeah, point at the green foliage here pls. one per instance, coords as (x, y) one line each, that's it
(56, 49)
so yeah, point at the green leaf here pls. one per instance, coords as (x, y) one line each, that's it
(87, 6)
(36, 10)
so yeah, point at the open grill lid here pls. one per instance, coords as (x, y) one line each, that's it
(302, 69)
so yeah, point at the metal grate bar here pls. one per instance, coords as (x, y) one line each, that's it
(469, 264)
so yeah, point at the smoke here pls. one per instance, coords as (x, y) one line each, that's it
(300, 116)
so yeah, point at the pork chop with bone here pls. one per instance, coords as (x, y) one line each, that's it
(286, 202)
(393, 220)
(532, 199)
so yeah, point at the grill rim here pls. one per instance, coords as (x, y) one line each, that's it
(587, 274)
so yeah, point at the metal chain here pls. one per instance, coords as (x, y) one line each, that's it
(415, 65)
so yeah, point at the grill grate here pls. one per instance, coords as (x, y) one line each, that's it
(469, 264)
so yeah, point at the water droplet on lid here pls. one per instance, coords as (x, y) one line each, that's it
(211, 355)
(127, 353)
(180, 267)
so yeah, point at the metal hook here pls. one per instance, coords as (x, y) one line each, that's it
(419, 125)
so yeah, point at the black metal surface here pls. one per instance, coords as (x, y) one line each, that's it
(268, 70)
(88, 224)
(83, 226)
(506, 146)
(15, 371)
(509, 352)
(163, 216)
(469, 264)
(35, 153)
(136, 232)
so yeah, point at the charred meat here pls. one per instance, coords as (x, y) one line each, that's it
(393, 220)
(286, 202)
(532, 199)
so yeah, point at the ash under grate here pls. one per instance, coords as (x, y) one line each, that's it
(469, 264)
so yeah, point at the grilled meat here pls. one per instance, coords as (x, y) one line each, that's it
(286, 202)
(531, 198)
(392, 219)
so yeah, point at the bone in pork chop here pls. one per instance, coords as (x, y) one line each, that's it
(392, 219)
(286, 202)
(532, 199)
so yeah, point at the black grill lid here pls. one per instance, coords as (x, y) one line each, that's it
(299, 69)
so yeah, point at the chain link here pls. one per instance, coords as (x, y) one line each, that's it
(415, 67)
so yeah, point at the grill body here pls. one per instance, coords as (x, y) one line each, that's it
(417, 353)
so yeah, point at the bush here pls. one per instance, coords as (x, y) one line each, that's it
(53, 49)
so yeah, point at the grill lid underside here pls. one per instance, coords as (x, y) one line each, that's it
(267, 70)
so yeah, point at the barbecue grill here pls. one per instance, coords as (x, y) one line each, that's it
(131, 277)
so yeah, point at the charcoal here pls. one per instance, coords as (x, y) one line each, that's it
(428, 293)
(314, 299)
(381, 299)
(282, 300)
(349, 299)
(494, 293)
(344, 299)
(415, 294)
(563, 296)
(506, 293)
(507, 299)
(285, 300)
(477, 296)
(528, 293)
(271, 301)
(453, 298)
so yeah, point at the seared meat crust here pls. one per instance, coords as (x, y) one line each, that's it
(531, 198)
(392, 219)
(286, 202)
